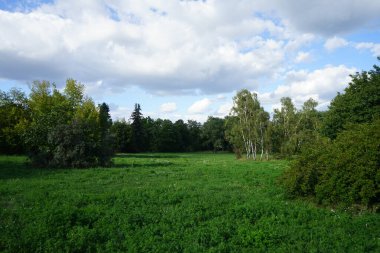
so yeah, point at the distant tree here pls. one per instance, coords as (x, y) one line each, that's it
(167, 139)
(14, 120)
(150, 133)
(263, 124)
(194, 132)
(248, 125)
(286, 123)
(359, 103)
(213, 134)
(121, 134)
(138, 133)
(309, 123)
(233, 135)
(105, 123)
(183, 136)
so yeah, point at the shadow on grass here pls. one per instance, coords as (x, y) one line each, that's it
(144, 156)
(12, 167)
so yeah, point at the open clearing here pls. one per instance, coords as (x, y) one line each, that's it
(169, 203)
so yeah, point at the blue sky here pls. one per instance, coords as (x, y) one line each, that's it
(187, 59)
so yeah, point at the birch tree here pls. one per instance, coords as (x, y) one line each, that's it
(249, 124)
(286, 124)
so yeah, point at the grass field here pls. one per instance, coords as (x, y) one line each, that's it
(169, 203)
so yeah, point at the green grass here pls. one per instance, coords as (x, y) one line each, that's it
(169, 203)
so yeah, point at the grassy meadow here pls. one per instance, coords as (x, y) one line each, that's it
(169, 203)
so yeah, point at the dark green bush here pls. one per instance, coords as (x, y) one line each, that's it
(344, 171)
(74, 146)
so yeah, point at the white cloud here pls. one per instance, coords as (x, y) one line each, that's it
(142, 46)
(302, 57)
(373, 47)
(224, 109)
(168, 107)
(183, 47)
(334, 43)
(321, 85)
(120, 112)
(200, 106)
(197, 117)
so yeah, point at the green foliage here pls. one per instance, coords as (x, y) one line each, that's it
(138, 133)
(105, 150)
(14, 120)
(359, 103)
(344, 171)
(286, 123)
(121, 135)
(169, 203)
(213, 134)
(194, 133)
(233, 135)
(73, 146)
(248, 125)
(67, 130)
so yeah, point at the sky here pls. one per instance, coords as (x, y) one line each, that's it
(186, 59)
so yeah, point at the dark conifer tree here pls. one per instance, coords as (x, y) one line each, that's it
(138, 137)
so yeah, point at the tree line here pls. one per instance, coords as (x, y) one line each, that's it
(144, 134)
(66, 129)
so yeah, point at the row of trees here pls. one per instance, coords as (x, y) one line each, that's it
(49, 123)
(144, 134)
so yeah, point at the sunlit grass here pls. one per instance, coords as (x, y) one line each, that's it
(169, 203)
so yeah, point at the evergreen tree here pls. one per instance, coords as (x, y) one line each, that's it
(105, 123)
(138, 133)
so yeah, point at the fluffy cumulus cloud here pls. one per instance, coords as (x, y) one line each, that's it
(183, 47)
(164, 47)
(176, 46)
(224, 109)
(321, 85)
(200, 106)
(168, 107)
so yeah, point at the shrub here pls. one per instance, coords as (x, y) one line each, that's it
(345, 170)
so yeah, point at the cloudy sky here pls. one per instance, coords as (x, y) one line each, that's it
(186, 58)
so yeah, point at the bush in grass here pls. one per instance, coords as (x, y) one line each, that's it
(352, 173)
(73, 146)
(306, 170)
(345, 170)
(67, 129)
